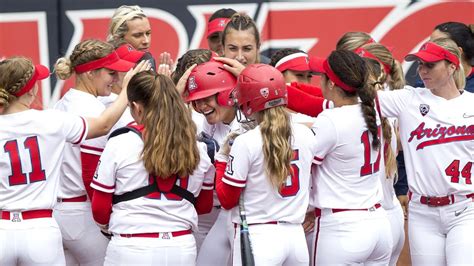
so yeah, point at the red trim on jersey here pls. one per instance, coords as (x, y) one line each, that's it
(303, 102)
(102, 206)
(204, 201)
(84, 125)
(235, 180)
(442, 141)
(318, 159)
(228, 195)
(327, 104)
(92, 148)
(89, 164)
(102, 185)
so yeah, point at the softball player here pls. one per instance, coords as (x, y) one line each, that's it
(389, 72)
(350, 225)
(209, 86)
(436, 134)
(215, 26)
(270, 170)
(155, 229)
(95, 64)
(32, 144)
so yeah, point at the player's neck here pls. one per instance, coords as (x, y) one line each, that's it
(16, 107)
(341, 101)
(448, 91)
(85, 87)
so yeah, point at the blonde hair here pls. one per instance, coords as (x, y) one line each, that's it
(170, 147)
(452, 47)
(83, 52)
(15, 72)
(376, 79)
(118, 26)
(276, 135)
(397, 79)
(353, 40)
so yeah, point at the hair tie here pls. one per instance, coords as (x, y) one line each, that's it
(377, 82)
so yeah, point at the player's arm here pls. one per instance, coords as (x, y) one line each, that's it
(228, 195)
(307, 88)
(101, 125)
(102, 207)
(305, 103)
(89, 165)
(205, 198)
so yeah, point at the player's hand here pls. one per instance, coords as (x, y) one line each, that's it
(164, 69)
(104, 229)
(181, 86)
(231, 65)
(308, 223)
(404, 202)
(142, 66)
(165, 59)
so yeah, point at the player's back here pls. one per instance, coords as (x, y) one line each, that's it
(33, 143)
(348, 172)
(263, 202)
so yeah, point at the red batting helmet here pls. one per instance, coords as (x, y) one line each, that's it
(208, 79)
(260, 87)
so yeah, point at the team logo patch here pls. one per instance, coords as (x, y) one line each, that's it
(222, 23)
(166, 235)
(424, 109)
(424, 47)
(264, 92)
(192, 83)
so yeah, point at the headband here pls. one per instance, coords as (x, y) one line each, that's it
(296, 61)
(334, 78)
(216, 25)
(40, 72)
(364, 53)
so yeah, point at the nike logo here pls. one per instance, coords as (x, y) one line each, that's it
(457, 213)
(465, 115)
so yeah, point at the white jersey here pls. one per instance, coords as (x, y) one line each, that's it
(302, 118)
(437, 137)
(30, 158)
(121, 170)
(220, 130)
(87, 105)
(348, 172)
(263, 202)
(126, 117)
(198, 119)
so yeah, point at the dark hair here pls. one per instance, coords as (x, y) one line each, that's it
(191, 57)
(353, 71)
(279, 54)
(241, 22)
(222, 13)
(462, 35)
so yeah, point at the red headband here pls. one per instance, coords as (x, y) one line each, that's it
(40, 72)
(334, 78)
(296, 62)
(111, 61)
(431, 52)
(216, 25)
(364, 53)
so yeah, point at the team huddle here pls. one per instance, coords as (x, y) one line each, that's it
(231, 158)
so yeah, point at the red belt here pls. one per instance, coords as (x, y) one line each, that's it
(82, 198)
(318, 211)
(440, 201)
(26, 215)
(157, 235)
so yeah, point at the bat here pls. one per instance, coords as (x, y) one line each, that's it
(245, 245)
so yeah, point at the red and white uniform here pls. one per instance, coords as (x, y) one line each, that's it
(348, 178)
(81, 236)
(214, 245)
(32, 151)
(437, 136)
(121, 170)
(268, 210)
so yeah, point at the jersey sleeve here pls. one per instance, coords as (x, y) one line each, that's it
(393, 103)
(326, 138)
(206, 167)
(94, 146)
(74, 128)
(238, 164)
(104, 177)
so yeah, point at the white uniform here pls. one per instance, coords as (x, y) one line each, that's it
(275, 218)
(347, 178)
(214, 227)
(30, 158)
(120, 170)
(81, 236)
(437, 136)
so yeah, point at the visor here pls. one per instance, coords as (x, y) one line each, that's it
(128, 53)
(364, 53)
(41, 72)
(111, 61)
(321, 65)
(296, 62)
(431, 52)
(216, 25)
